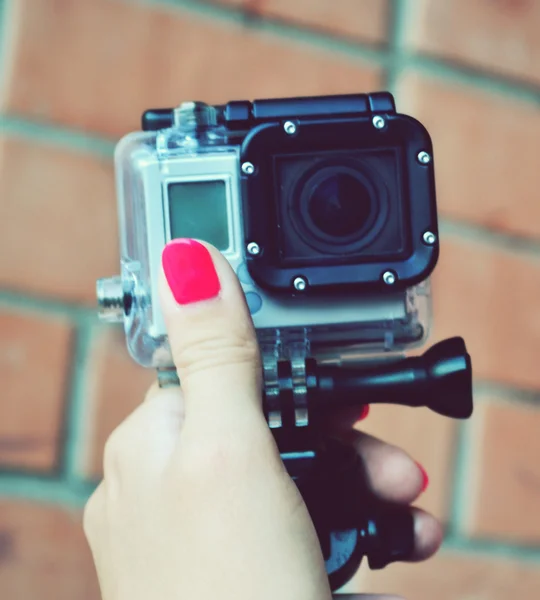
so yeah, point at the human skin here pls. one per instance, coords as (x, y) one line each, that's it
(195, 502)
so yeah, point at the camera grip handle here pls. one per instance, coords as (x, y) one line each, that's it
(349, 522)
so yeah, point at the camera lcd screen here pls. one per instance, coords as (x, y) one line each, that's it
(198, 209)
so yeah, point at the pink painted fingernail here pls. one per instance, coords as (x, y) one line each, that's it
(364, 413)
(425, 477)
(190, 271)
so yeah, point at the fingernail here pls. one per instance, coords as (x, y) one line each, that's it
(364, 413)
(190, 271)
(425, 477)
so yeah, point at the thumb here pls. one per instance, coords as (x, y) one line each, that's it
(211, 334)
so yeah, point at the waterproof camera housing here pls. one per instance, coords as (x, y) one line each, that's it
(325, 208)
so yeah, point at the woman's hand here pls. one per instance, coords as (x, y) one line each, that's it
(195, 502)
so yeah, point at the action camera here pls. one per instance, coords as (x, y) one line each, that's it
(325, 207)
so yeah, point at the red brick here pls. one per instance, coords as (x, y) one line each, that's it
(150, 56)
(489, 297)
(485, 150)
(118, 385)
(506, 475)
(43, 554)
(499, 36)
(361, 20)
(428, 438)
(58, 223)
(34, 367)
(450, 576)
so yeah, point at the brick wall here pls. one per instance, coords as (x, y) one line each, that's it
(76, 75)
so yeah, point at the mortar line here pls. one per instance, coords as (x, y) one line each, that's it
(496, 391)
(24, 487)
(475, 78)
(4, 40)
(459, 501)
(223, 12)
(488, 548)
(2, 24)
(22, 302)
(56, 135)
(366, 55)
(77, 393)
(509, 242)
(396, 43)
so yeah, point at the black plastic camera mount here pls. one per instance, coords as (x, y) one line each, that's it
(299, 396)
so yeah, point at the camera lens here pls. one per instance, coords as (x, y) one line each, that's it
(340, 205)
(336, 208)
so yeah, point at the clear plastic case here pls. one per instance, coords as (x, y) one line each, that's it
(343, 327)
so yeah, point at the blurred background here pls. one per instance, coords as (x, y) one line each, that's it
(76, 75)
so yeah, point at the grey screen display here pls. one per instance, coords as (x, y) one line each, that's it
(198, 209)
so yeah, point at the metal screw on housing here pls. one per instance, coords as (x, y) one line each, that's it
(378, 122)
(423, 158)
(253, 248)
(289, 127)
(429, 238)
(389, 278)
(110, 299)
(248, 168)
(300, 284)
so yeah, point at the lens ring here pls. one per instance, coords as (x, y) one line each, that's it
(368, 223)
(354, 207)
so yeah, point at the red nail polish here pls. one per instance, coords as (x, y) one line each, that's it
(425, 478)
(190, 271)
(364, 413)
